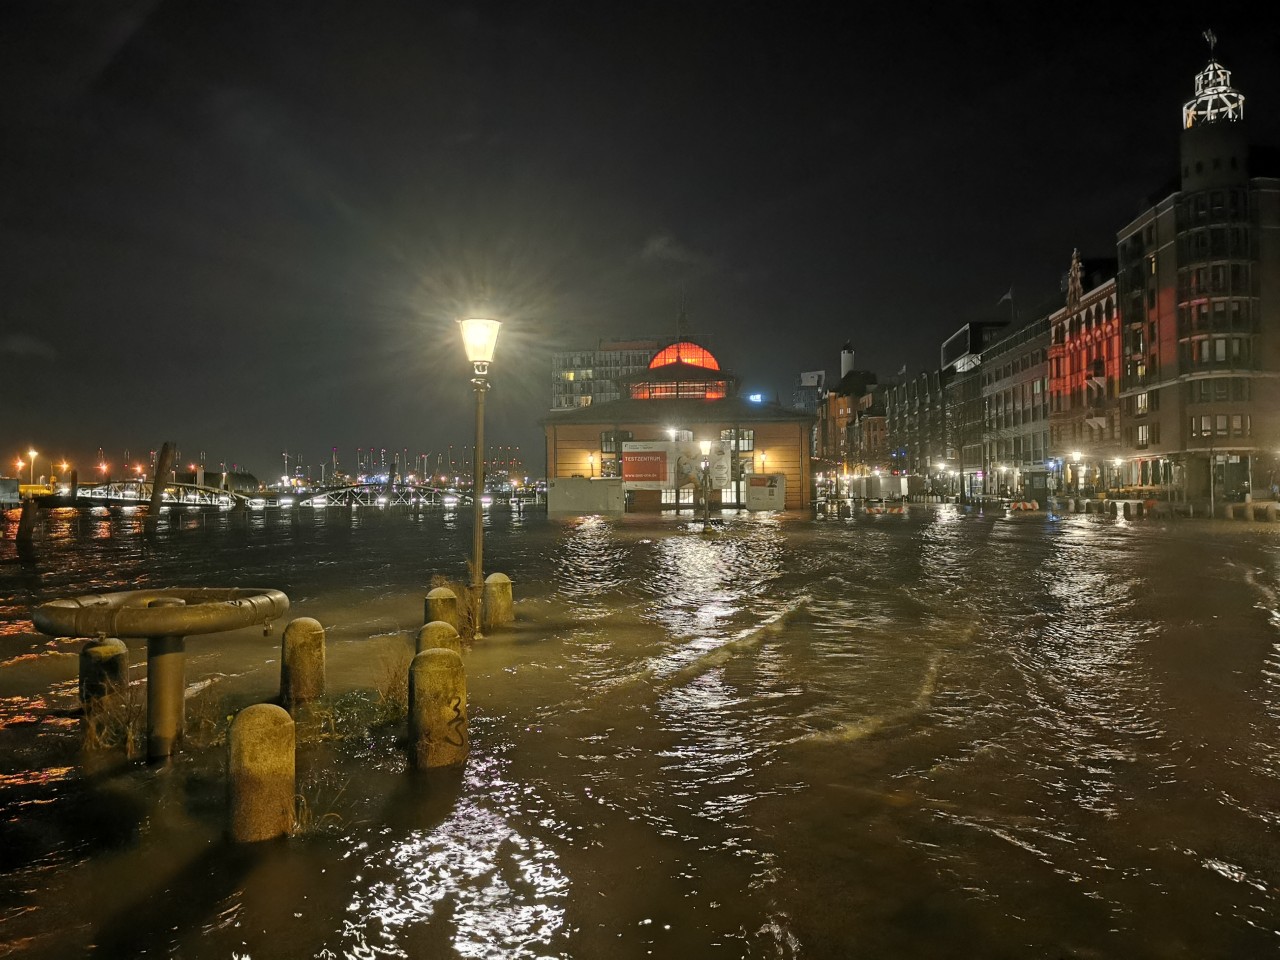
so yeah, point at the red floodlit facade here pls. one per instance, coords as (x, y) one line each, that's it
(1084, 387)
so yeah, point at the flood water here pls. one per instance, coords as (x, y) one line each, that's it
(932, 735)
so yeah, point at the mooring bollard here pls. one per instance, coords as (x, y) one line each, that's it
(442, 604)
(166, 689)
(27, 522)
(260, 773)
(438, 635)
(104, 670)
(497, 600)
(438, 709)
(301, 662)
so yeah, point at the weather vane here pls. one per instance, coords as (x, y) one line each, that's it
(1211, 39)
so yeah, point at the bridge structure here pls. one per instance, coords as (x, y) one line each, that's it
(134, 492)
(370, 495)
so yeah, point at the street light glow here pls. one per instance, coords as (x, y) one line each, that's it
(479, 338)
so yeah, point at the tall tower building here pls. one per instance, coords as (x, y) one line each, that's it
(1199, 299)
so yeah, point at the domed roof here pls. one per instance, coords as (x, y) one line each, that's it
(687, 352)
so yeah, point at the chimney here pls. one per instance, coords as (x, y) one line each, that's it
(846, 360)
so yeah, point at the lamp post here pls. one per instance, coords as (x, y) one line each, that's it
(479, 338)
(705, 447)
(591, 463)
(32, 454)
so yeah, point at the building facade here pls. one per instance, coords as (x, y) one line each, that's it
(1199, 302)
(916, 428)
(1085, 435)
(683, 397)
(583, 377)
(1015, 400)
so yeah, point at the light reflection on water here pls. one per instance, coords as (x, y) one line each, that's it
(942, 734)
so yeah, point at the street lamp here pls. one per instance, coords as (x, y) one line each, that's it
(32, 454)
(591, 463)
(479, 338)
(705, 447)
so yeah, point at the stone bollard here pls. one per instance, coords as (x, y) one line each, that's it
(442, 604)
(438, 709)
(497, 601)
(260, 773)
(1127, 512)
(301, 662)
(166, 689)
(1113, 509)
(438, 635)
(104, 670)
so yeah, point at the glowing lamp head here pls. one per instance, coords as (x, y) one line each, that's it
(32, 454)
(1075, 456)
(705, 447)
(479, 338)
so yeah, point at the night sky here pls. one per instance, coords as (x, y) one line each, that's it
(249, 227)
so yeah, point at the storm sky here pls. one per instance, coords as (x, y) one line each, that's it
(250, 226)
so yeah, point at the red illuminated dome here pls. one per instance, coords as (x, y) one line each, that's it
(682, 371)
(685, 352)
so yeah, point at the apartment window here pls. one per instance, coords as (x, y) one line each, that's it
(1220, 424)
(1143, 435)
(1237, 425)
(746, 438)
(1141, 403)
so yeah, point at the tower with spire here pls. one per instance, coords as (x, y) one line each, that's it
(1216, 101)
(1215, 144)
(1198, 291)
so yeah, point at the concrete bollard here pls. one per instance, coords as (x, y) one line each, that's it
(104, 670)
(1113, 509)
(1271, 513)
(438, 635)
(261, 781)
(498, 604)
(166, 689)
(301, 662)
(1127, 512)
(438, 709)
(442, 604)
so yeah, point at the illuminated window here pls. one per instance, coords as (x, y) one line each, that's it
(684, 352)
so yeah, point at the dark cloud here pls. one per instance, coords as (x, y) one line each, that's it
(22, 345)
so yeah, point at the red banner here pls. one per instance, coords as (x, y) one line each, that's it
(644, 467)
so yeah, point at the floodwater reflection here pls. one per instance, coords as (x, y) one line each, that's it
(941, 734)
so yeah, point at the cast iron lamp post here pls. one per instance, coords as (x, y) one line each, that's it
(479, 338)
